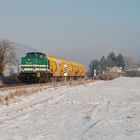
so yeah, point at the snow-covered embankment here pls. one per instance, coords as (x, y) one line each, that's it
(101, 111)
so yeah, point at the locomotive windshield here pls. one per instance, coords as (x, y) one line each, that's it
(34, 54)
(30, 55)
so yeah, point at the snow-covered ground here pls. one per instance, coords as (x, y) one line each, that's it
(96, 111)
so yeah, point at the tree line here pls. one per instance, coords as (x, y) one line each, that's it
(104, 63)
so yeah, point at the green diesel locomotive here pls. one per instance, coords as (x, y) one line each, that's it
(39, 67)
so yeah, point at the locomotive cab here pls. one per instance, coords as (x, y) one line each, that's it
(33, 66)
(34, 58)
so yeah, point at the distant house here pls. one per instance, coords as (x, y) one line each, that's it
(10, 70)
(133, 72)
(1, 83)
(134, 69)
(115, 69)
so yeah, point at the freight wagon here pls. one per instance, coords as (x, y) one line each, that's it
(39, 67)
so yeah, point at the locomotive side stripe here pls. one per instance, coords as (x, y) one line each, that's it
(36, 69)
(34, 65)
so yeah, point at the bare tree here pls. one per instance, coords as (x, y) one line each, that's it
(7, 55)
(130, 62)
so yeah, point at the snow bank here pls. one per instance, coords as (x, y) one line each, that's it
(101, 111)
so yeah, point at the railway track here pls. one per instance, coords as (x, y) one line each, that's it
(8, 93)
(54, 84)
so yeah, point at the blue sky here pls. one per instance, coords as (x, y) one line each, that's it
(80, 30)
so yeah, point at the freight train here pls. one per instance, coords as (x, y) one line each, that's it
(38, 67)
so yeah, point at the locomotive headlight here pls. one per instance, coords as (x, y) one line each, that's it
(22, 69)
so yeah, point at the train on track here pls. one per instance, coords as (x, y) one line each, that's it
(38, 67)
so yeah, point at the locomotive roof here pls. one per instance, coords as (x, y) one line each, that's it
(36, 53)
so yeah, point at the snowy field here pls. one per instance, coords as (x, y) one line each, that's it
(96, 111)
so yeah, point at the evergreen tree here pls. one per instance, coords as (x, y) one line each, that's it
(120, 61)
(103, 64)
(111, 60)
